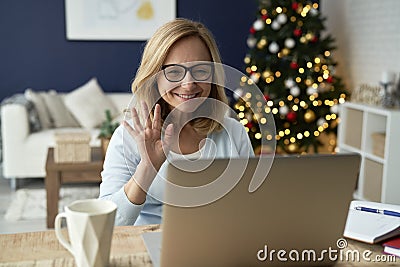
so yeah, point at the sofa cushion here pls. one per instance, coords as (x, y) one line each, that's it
(88, 104)
(38, 101)
(59, 113)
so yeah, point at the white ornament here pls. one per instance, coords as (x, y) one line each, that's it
(311, 90)
(289, 83)
(284, 110)
(290, 43)
(255, 77)
(314, 11)
(273, 47)
(238, 93)
(334, 109)
(258, 25)
(321, 121)
(295, 91)
(251, 42)
(282, 18)
(275, 25)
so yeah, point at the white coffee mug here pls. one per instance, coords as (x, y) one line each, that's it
(90, 225)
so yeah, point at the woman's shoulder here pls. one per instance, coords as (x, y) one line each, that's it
(233, 140)
(230, 126)
(230, 122)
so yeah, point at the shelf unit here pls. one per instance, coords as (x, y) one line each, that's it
(379, 178)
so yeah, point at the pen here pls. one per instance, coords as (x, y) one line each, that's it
(384, 212)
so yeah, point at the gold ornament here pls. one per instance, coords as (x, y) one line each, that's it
(285, 51)
(309, 116)
(292, 148)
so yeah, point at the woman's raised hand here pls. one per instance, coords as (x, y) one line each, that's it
(152, 149)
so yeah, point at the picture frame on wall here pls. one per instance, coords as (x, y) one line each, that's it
(116, 20)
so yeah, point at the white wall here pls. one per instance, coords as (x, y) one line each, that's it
(367, 34)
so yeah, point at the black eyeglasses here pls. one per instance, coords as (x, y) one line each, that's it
(176, 72)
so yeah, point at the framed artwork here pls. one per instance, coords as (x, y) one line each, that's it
(113, 20)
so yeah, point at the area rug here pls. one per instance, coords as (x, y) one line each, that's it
(30, 204)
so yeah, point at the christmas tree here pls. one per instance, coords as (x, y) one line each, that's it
(292, 64)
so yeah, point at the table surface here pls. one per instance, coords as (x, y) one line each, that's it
(43, 248)
(127, 249)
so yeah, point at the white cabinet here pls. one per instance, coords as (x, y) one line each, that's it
(379, 178)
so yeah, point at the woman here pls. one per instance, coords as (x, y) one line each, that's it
(179, 72)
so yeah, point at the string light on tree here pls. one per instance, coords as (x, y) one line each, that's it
(290, 60)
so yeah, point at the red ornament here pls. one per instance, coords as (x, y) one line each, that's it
(294, 65)
(266, 97)
(314, 39)
(297, 32)
(252, 30)
(291, 116)
(264, 17)
(329, 79)
(249, 125)
(295, 5)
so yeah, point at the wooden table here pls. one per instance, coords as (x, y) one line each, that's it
(43, 249)
(127, 249)
(62, 173)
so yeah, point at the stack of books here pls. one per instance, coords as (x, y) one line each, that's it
(392, 246)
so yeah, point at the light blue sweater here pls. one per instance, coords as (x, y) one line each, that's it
(122, 158)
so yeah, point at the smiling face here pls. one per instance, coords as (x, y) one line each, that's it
(186, 52)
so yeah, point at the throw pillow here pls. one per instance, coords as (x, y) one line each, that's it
(38, 101)
(33, 117)
(88, 104)
(59, 113)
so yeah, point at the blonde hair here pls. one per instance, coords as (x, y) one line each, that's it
(155, 52)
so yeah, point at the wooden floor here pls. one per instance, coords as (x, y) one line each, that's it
(6, 195)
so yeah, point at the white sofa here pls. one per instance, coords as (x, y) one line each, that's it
(24, 153)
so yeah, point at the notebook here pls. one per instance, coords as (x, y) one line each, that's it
(371, 227)
(301, 205)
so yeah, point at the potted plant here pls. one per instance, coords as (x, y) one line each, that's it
(107, 129)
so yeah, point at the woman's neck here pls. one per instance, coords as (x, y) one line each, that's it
(190, 141)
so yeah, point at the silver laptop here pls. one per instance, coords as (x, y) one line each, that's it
(293, 216)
